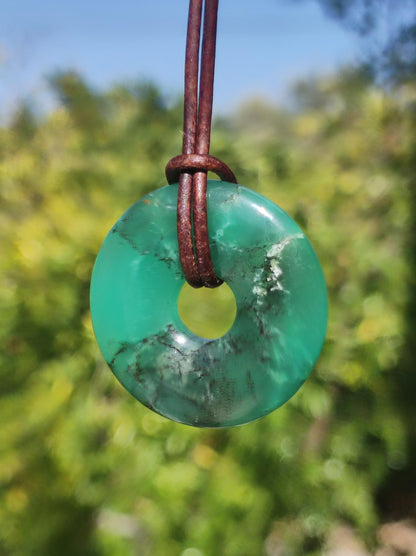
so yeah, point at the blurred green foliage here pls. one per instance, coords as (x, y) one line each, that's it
(84, 468)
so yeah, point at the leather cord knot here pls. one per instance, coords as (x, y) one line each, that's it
(191, 163)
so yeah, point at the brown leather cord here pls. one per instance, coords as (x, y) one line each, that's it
(192, 166)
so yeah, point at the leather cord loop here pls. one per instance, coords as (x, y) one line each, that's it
(191, 167)
(190, 163)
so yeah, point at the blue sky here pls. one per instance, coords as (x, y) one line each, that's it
(263, 45)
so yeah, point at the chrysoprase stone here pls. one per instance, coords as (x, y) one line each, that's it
(276, 338)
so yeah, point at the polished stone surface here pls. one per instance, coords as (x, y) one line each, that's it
(272, 347)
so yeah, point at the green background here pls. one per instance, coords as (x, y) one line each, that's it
(84, 468)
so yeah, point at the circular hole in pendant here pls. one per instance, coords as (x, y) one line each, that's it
(208, 313)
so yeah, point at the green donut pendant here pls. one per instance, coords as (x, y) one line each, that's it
(269, 264)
